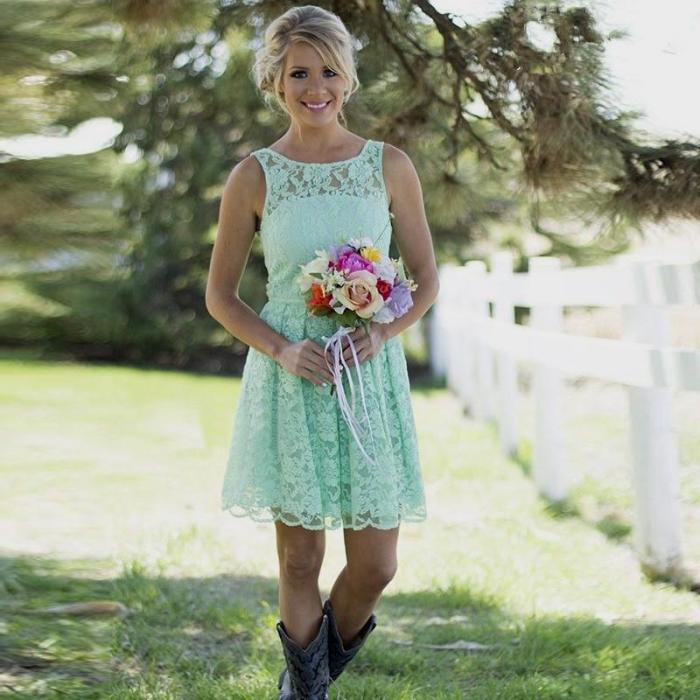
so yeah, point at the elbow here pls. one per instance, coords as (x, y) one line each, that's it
(436, 292)
(212, 303)
(215, 302)
(433, 284)
(208, 302)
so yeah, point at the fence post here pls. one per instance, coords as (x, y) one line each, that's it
(657, 531)
(452, 331)
(463, 377)
(481, 380)
(438, 324)
(548, 464)
(502, 266)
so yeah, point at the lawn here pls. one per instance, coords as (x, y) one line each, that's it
(111, 480)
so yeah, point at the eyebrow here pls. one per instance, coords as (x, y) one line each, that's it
(304, 67)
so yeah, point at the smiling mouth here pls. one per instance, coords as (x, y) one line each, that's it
(316, 106)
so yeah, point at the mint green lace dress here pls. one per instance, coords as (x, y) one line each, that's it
(292, 457)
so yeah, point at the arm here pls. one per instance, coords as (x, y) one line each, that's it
(412, 236)
(234, 238)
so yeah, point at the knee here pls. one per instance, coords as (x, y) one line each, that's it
(300, 565)
(374, 576)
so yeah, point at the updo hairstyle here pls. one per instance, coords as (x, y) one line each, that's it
(318, 27)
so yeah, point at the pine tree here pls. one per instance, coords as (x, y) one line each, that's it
(509, 138)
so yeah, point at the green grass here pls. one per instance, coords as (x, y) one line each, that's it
(111, 481)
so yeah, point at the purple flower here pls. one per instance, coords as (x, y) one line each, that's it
(399, 300)
(352, 262)
(336, 251)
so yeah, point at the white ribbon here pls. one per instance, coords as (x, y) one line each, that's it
(335, 345)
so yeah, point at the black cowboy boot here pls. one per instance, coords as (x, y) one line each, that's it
(338, 656)
(306, 675)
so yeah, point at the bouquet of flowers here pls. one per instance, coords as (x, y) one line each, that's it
(357, 284)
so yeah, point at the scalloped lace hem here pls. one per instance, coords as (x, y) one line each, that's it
(330, 522)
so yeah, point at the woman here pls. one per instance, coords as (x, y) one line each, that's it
(292, 458)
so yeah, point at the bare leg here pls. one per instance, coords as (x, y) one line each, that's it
(371, 565)
(300, 553)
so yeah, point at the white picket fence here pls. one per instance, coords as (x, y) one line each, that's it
(477, 353)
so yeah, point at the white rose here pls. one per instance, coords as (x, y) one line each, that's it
(384, 269)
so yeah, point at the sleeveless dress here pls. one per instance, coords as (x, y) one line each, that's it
(292, 457)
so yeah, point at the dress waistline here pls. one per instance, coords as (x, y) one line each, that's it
(297, 300)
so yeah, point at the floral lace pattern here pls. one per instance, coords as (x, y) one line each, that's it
(292, 458)
(293, 179)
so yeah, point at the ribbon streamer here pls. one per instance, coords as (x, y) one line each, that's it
(335, 345)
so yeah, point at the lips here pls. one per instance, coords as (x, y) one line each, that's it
(316, 106)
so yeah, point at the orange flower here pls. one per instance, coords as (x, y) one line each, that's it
(318, 298)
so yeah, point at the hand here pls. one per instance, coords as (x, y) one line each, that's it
(306, 359)
(367, 346)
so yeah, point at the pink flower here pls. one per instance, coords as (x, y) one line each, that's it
(352, 262)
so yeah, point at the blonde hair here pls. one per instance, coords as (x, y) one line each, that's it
(321, 29)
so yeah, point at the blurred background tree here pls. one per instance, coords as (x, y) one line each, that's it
(59, 217)
(508, 123)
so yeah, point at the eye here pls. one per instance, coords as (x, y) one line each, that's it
(295, 73)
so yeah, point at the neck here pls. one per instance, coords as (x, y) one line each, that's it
(314, 139)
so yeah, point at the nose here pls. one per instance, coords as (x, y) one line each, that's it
(317, 86)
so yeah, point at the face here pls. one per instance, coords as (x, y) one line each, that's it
(313, 92)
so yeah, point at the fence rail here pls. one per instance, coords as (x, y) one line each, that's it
(476, 345)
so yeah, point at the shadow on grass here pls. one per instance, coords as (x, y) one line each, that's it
(214, 638)
(612, 525)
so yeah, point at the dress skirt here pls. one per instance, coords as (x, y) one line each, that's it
(293, 458)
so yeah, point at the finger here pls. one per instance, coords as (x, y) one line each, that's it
(321, 376)
(311, 376)
(321, 350)
(347, 354)
(359, 345)
(360, 331)
(326, 373)
(351, 361)
(319, 366)
(322, 355)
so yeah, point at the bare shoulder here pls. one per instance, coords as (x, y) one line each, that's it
(396, 161)
(246, 183)
(399, 171)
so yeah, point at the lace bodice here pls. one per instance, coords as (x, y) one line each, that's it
(314, 205)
